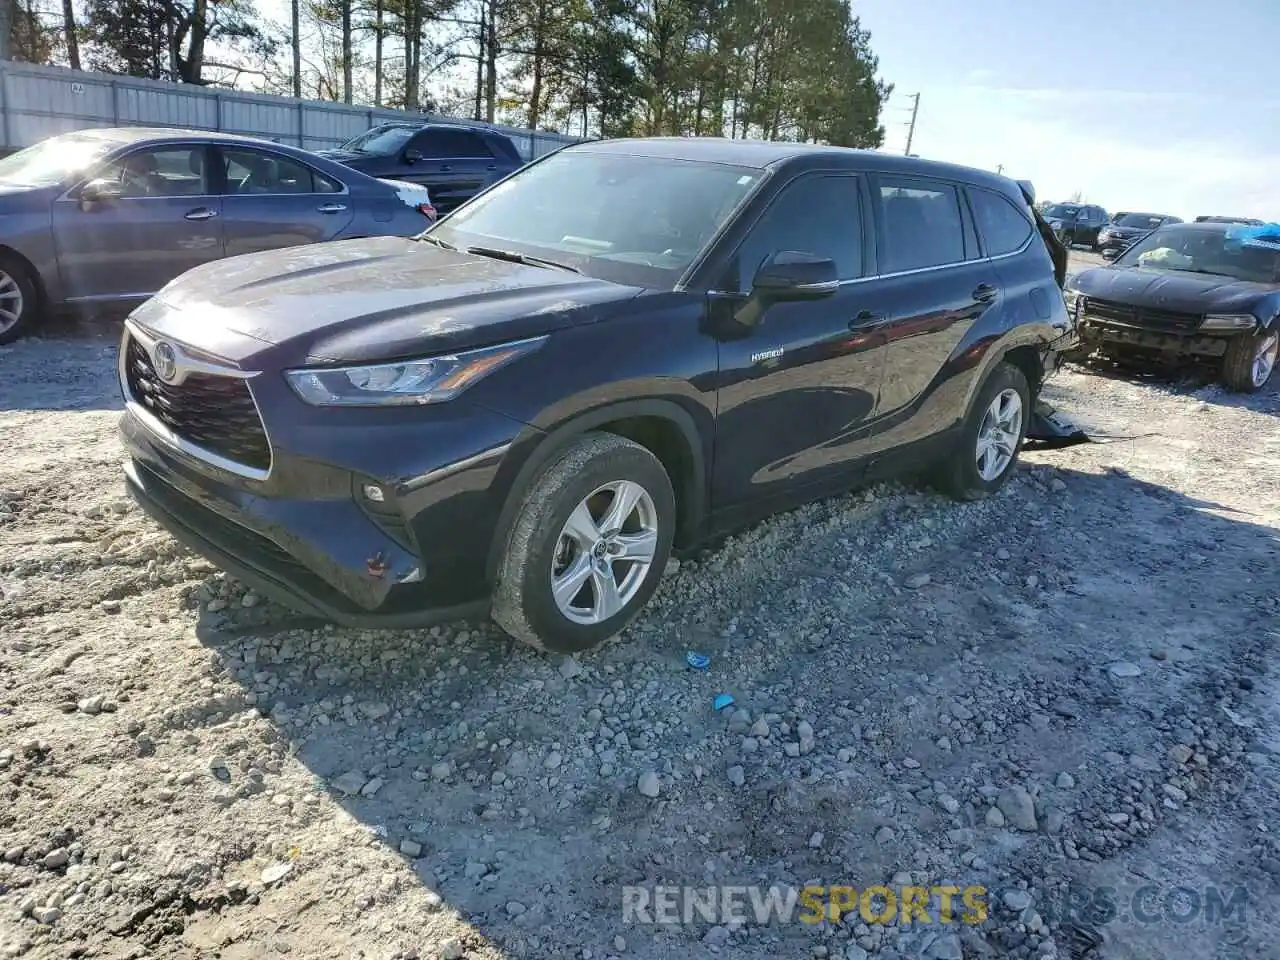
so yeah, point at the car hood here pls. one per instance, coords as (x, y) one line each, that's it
(1171, 289)
(347, 156)
(367, 300)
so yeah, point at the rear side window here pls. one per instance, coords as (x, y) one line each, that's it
(820, 215)
(921, 225)
(455, 144)
(1003, 227)
(252, 171)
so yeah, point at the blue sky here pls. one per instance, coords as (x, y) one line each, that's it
(1167, 107)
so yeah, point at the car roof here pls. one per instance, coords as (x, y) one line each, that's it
(769, 153)
(1140, 213)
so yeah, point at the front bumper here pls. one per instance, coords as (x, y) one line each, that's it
(1114, 242)
(1192, 344)
(304, 537)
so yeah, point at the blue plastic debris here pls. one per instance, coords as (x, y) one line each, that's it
(699, 661)
(1266, 236)
(723, 701)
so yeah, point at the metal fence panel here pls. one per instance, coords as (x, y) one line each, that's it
(37, 102)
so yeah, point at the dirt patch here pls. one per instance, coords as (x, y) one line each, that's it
(1062, 690)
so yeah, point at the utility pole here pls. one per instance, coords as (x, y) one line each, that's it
(999, 168)
(911, 130)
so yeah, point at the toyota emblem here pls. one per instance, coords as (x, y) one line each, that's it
(166, 362)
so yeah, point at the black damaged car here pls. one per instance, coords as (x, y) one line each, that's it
(1125, 228)
(627, 347)
(1186, 290)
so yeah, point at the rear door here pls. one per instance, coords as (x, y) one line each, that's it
(166, 221)
(935, 285)
(272, 200)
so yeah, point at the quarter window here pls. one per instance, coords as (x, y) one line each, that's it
(1004, 229)
(922, 225)
(819, 215)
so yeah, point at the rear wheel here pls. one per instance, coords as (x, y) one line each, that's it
(1251, 360)
(991, 437)
(19, 300)
(588, 547)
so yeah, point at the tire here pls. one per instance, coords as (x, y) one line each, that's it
(961, 476)
(1250, 361)
(17, 289)
(587, 475)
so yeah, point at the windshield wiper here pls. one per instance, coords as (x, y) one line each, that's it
(443, 244)
(513, 257)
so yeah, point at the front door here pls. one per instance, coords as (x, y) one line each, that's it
(935, 286)
(795, 392)
(167, 220)
(454, 165)
(274, 201)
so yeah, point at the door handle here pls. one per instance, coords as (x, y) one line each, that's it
(446, 168)
(331, 208)
(867, 320)
(204, 213)
(492, 166)
(984, 293)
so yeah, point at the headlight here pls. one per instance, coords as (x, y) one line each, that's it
(1071, 296)
(1229, 321)
(404, 382)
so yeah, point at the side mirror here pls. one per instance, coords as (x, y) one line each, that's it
(412, 156)
(791, 275)
(101, 191)
(1111, 253)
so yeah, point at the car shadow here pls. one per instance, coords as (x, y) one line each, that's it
(480, 763)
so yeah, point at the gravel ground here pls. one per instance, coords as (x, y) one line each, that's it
(1063, 689)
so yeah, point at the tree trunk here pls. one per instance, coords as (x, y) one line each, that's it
(296, 43)
(480, 60)
(410, 98)
(69, 31)
(192, 68)
(539, 51)
(346, 51)
(491, 71)
(377, 53)
(417, 53)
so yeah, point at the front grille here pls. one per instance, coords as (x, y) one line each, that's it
(215, 413)
(1146, 317)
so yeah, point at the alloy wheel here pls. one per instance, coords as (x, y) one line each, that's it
(1264, 360)
(11, 302)
(604, 552)
(998, 435)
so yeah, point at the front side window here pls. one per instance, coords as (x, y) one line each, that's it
(629, 219)
(921, 224)
(1003, 227)
(1196, 250)
(444, 144)
(820, 215)
(257, 172)
(160, 172)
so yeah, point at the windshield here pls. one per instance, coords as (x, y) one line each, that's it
(383, 141)
(1196, 250)
(1061, 211)
(628, 219)
(1146, 221)
(55, 160)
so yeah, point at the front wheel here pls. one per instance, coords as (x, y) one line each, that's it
(19, 300)
(1250, 361)
(588, 547)
(991, 437)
